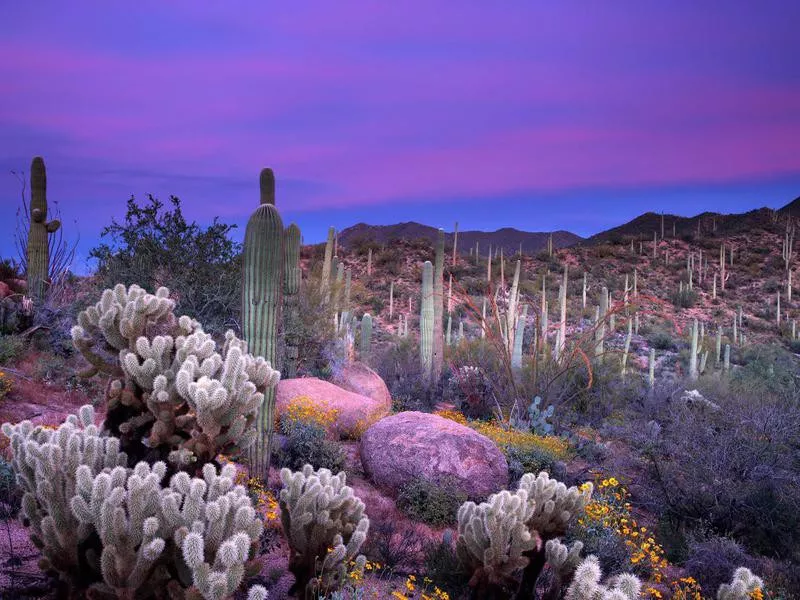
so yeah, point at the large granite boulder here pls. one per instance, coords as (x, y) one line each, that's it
(358, 378)
(354, 413)
(409, 445)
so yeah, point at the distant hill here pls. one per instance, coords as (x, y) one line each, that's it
(793, 208)
(643, 226)
(507, 238)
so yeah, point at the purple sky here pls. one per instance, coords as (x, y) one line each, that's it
(539, 115)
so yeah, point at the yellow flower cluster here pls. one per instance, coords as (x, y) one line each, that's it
(610, 508)
(505, 436)
(304, 410)
(265, 501)
(412, 591)
(5, 385)
(686, 588)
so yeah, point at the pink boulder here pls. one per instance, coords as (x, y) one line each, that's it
(4, 289)
(360, 379)
(354, 413)
(412, 445)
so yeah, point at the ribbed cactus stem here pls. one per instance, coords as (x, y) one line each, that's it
(778, 308)
(426, 318)
(652, 368)
(483, 318)
(450, 295)
(718, 346)
(511, 317)
(291, 287)
(448, 339)
(262, 287)
(455, 243)
(562, 338)
(600, 327)
(693, 352)
(438, 306)
(326, 264)
(366, 336)
(369, 262)
(502, 269)
(460, 330)
(391, 300)
(267, 186)
(584, 290)
(516, 356)
(38, 252)
(727, 360)
(627, 347)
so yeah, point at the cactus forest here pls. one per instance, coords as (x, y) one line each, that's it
(421, 302)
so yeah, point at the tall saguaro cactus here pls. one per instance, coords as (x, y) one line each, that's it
(291, 287)
(438, 307)
(38, 252)
(426, 318)
(326, 265)
(262, 286)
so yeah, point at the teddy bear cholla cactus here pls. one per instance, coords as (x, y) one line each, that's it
(172, 386)
(742, 587)
(195, 538)
(45, 461)
(586, 584)
(323, 521)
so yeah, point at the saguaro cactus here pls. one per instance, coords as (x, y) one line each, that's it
(38, 257)
(262, 284)
(291, 287)
(426, 318)
(438, 307)
(326, 265)
(366, 336)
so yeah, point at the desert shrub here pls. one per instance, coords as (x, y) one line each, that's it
(771, 286)
(532, 459)
(155, 247)
(399, 366)
(713, 560)
(393, 545)
(5, 385)
(683, 298)
(10, 492)
(308, 443)
(429, 502)
(320, 350)
(11, 348)
(443, 567)
(389, 261)
(766, 369)
(745, 483)
(661, 341)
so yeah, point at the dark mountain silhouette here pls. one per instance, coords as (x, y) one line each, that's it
(507, 238)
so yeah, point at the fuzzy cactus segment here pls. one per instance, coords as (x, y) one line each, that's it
(173, 389)
(554, 504)
(494, 537)
(45, 461)
(586, 584)
(742, 587)
(325, 525)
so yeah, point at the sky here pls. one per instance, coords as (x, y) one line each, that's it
(575, 115)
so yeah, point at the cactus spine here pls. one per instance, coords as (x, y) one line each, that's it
(262, 284)
(38, 251)
(426, 318)
(438, 307)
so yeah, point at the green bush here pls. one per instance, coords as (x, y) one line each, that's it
(661, 341)
(156, 247)
(11, 347)
(532, 460)
(435, 504)
(307, 443)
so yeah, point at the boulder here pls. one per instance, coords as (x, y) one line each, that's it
(354, 412)
(358, 378)
(412, 445)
